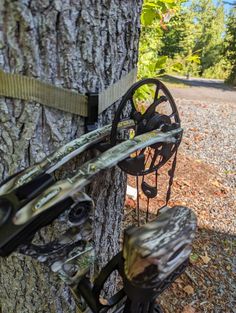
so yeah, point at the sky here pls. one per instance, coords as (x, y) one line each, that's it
(227, 4)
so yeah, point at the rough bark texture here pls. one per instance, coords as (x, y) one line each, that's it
(81, 45)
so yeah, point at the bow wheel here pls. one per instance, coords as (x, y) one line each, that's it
(151, 106)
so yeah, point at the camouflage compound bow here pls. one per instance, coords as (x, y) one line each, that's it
(142, 138)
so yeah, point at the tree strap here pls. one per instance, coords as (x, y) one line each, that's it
(31, 89)
(116, 91)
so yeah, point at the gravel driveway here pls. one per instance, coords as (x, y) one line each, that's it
(209, 118)
(212, 90)
(205, 181)
(208, 113)
(211, 112)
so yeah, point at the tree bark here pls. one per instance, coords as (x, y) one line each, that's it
(79, 45)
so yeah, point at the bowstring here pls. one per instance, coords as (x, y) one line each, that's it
(147, 212)
(137, 206)
(171, 173)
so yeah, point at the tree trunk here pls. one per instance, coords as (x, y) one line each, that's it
(80, 45)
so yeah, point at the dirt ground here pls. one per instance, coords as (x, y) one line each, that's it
(205, 182)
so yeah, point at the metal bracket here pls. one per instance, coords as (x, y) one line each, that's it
(92, 119)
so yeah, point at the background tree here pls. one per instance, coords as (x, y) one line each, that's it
(79, 45)
(179, 43)
(230, 45)
(195, 38)
(155, 15)
(209, 19)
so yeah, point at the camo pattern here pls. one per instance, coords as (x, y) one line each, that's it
(69, 187)
(71, 255)
(152, 252)
(61, 156)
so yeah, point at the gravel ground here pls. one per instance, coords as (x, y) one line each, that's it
(209, 121)
(205, 181)
(210, 130)
(213, 125)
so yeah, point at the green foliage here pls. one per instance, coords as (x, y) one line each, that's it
(188, 65)
(155, 15)
(181, 34)
(196, 36)
(230, 46)
(209, 18)
(190, 38)
(153, 10)
(220, 70)
(144, 94)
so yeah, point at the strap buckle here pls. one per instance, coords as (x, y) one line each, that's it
(92, 119)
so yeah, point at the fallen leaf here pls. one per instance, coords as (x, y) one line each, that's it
(189, 309)
(193, 129)
(189, 290)
(205, 258)
(130, 203)
(198, 137)
(216, 183)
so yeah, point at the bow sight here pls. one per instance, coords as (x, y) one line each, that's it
(144, 135)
